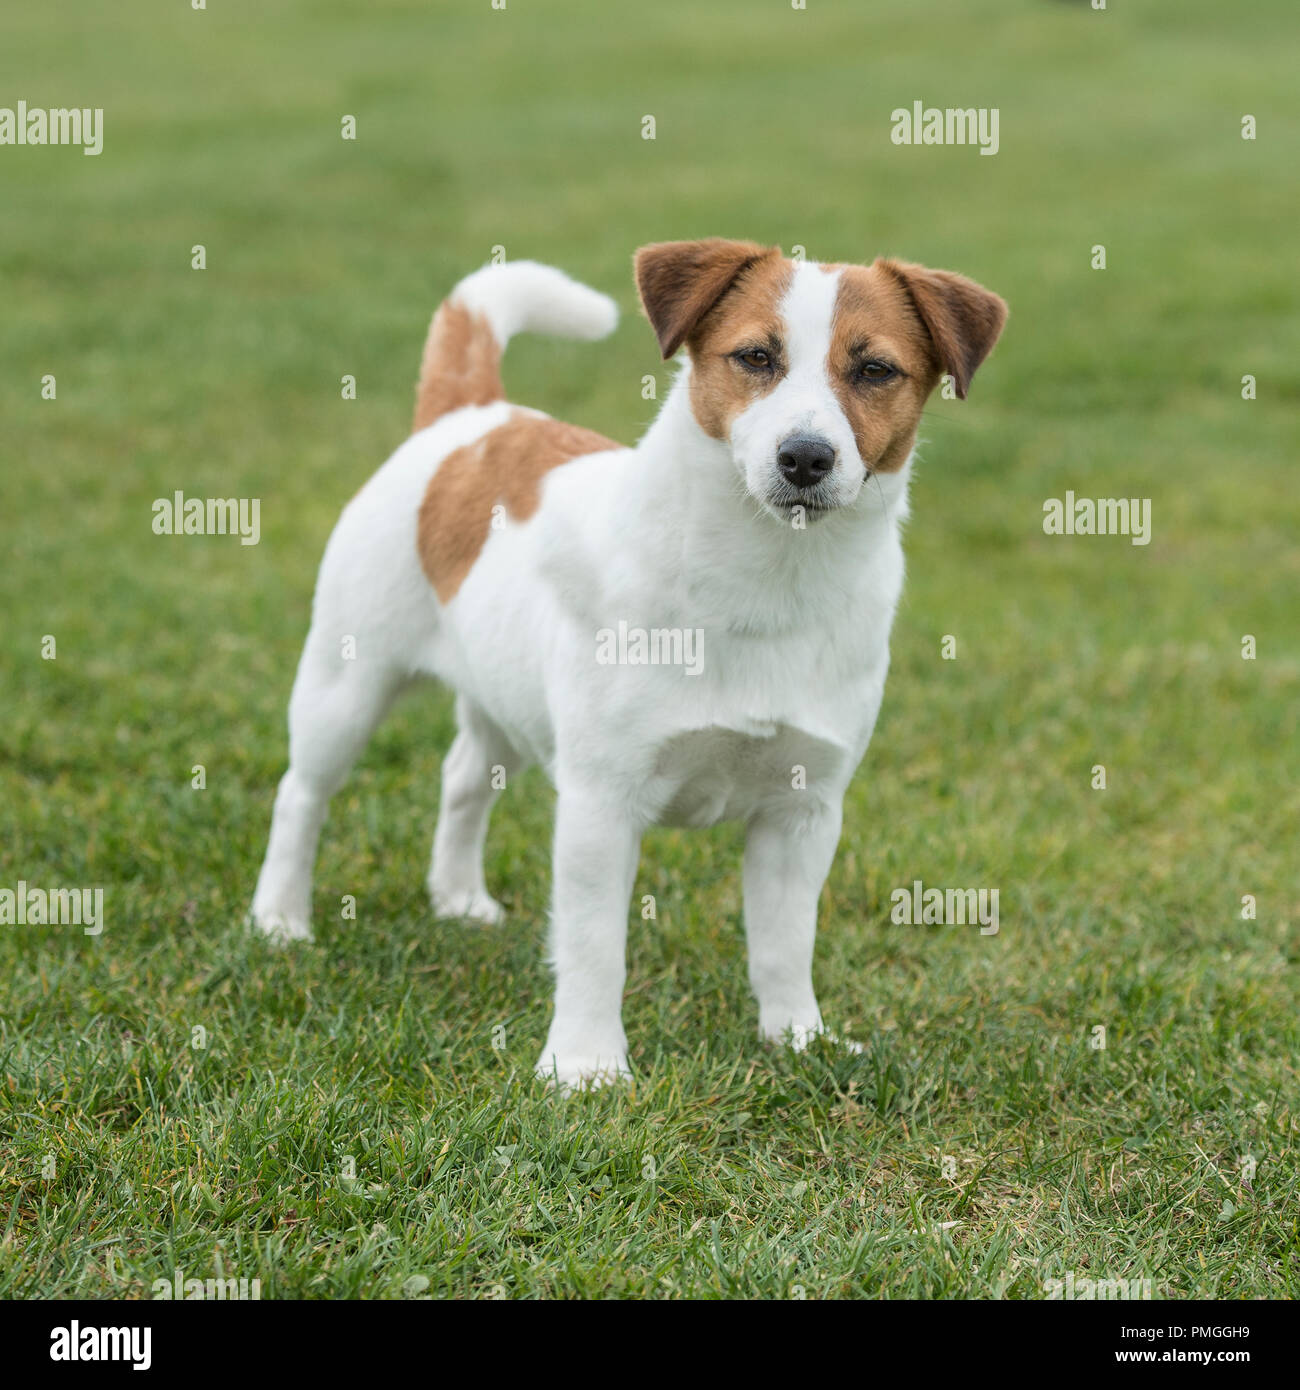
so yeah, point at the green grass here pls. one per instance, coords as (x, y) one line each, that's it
(726, 1168)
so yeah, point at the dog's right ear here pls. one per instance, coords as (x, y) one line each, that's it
(680, 281)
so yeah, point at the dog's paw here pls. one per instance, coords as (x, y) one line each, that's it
(474, 906)
(567, 1072)
(280, 928)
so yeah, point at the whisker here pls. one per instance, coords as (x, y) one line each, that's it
(884, 501)
(946, 417)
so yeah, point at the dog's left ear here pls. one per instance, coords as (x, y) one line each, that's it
(962, 318)
(680, 281)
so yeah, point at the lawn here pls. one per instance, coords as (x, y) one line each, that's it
(358, 1118)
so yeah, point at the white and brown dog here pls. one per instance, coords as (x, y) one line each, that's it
(755, 529)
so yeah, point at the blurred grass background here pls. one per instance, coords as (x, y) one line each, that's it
(522, 128)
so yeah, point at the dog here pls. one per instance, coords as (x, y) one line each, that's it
(688, 631)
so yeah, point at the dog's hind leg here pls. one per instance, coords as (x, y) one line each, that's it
(473, 772)
(335, 707)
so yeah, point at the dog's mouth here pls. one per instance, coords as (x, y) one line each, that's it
(791, 504)
(814, 504)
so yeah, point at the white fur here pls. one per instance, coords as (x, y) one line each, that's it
(803, 401)
(524, 297)
(675, 533)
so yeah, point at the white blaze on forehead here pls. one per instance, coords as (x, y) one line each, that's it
(805, 401)
(808, 309)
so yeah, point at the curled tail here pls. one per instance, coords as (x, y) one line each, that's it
(462, 355)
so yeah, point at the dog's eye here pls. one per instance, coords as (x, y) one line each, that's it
(876, 371)
(756, 359)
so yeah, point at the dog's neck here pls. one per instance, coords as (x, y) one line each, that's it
(746, 566)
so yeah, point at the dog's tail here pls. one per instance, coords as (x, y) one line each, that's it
(462, 355)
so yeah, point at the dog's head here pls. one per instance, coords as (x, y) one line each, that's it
(814, 375)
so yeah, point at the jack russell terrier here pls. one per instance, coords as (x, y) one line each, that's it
(499, 549)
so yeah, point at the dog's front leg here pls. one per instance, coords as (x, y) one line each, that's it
(596, 850)
(788, 853)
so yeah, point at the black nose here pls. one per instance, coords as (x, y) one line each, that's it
(804, 460)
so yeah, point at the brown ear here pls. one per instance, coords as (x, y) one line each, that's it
(963, 318)
(680, 281)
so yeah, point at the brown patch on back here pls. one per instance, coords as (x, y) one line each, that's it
(505, 467)
(461, 365)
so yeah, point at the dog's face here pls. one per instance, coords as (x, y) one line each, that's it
(814, 375)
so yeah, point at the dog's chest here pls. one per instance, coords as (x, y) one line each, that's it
(715, 774)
